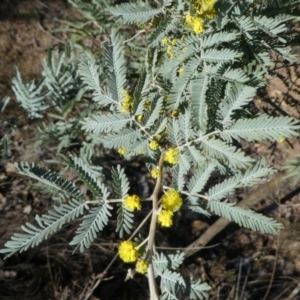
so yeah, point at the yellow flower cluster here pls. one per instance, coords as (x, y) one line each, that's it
(140, 118)
(195, 22)
(180, 70)
(133, 202)
(122, 151)
(141, 266)
(155, 173)
(127, 102)
(169, 43)
(175, 113)
(171, 200)
(204, 9)
(172, 156)
(147, 105)
(127, 251)
(165, 218)
(153, 145)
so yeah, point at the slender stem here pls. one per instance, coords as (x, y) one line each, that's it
(132, 38)
(101, 275)
(201, 138)
(142, 128)
(150, 246)
(189, 194)
(141, 244)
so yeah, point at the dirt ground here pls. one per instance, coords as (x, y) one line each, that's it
(238, 263)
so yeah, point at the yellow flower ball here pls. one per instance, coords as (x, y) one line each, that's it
(172, 156)
(175, 113)
(122, 151)
(127, 102)
(195, 22)
(171, 200)
(165, 218)
(153, 145)
(142, 266)
(127, 251)
(165, 41)
(140, 118)
(133, 202)
(155, 173)
(180, 70)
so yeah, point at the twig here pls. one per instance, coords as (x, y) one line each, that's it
(138, 33)
(274, 268)
(294, 292)
(150, 245)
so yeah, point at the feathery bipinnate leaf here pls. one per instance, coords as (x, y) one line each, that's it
(174, 132)
(182, 83)
(200, 178)
(166, 24)
(47, 225)
(105, 123)
(58, 75)
(162, 262)
(122, 139)
(114, 57)
(178, 178)
(169, 66)
(232, 75)
(85, 173)
(252, 176)
(195, 156)
(168, 295)
(185, 125)
(121, 188)
(172, 282)
(198, 290)
(262, 128)
(3, 103)
(271, 26)
(92, 223)
(53, 180)
(88, 72)
(219, 56)
(232, 156)
(293, 169)
(238, 95)
(130, 13)
(245, 217)
(139, 90)
(199, 88)
(216, 38)
(121, 184)
(194, 206)
(155, 108)
(124, 220)
(30, 96)
(246, 25)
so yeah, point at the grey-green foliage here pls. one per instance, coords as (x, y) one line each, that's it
(293, 169)
(172, 284)
(121, 188)
(193, 94)
(4, 103)
(97, 208)
(47, 225)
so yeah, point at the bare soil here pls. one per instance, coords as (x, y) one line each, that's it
(238, 263)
